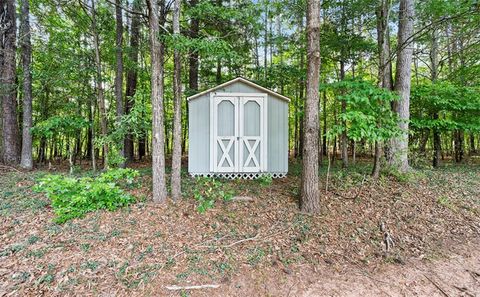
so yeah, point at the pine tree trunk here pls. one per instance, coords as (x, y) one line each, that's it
(265, 45)
(383, 43)
(99, 83)
(92, 136)
(26, 45)
(459, 151)
(119, 71)
(473, 149)
(324, 140)
(403, 83)
(385, 65)
(132, 76)
(437, 145)
(376, 162)
(343, 137)
(8, 92)
(158, 133)
(310, 195)
(434, 75)
(177, 110)
(193, 55)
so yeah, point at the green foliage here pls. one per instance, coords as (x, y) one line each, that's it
(445, 201)
(457, 107)
(209, 190)
(74, 197)
(368, 114)
(68, 125)
(265, 180)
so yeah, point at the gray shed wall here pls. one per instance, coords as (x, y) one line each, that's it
(199, 130)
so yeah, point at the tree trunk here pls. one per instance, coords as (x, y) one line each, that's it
(437, 145)
(177, 110)
(93, 155)
(343, 137)
(473, 149)
(376, 162)
(385, 65)
(265, 45)
(119, 72)
(99, 84)
(459, 152)
(193, 55)
(353, 151)
(402, 84)
(158, 134)
(310, 195)
(27, 158)
(8, 90)
(383, 43)
(434, 75)
(384, 69)
(132, 76)
(324, 140)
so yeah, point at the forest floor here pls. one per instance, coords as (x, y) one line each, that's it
(262, 247)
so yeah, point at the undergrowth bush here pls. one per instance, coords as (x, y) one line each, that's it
(209, 190)
(265, 180)
(74, 197)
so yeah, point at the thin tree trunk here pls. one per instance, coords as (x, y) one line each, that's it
(177, 110)
(132, 76)
(99, 83)
(383, 32)
(434, 75)
(437, 145)
(459, 152)
(376, 162)
(193, 55)
(385, 65)
(119, 72)
(403, 83)
(473, 149)
(8, 92)
(158, 134)
(310, 195)
(265, 46)
(26, 45)
(353, 149)
(218, 75)
(92, 147)
(324, 140)
(343, 137)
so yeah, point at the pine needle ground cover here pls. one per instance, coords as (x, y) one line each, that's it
(258, 246)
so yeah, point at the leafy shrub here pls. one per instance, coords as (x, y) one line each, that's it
(74, 197)
(265, 180)
(209, 190)
(127, 176)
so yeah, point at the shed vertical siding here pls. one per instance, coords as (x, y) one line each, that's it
(199, 135)
(277, 135)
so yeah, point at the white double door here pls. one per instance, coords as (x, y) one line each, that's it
(238, 132)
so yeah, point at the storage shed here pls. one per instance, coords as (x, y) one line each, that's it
(238, 129)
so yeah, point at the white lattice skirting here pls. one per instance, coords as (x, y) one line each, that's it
(243, 175)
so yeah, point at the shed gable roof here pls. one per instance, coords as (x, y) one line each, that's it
(242, 80)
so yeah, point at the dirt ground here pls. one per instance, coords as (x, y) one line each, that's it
(264, 247)
(455, 274)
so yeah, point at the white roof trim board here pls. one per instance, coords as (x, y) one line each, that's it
(242, 80)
